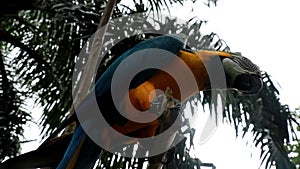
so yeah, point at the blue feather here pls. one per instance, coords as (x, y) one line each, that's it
(88, 150)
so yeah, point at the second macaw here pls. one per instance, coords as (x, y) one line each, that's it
(240, 73)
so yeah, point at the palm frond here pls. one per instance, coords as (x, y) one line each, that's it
(12, 115)
(263, 116)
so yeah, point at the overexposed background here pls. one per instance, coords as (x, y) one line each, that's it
(267, 32)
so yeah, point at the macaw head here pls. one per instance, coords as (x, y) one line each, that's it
(242, 74)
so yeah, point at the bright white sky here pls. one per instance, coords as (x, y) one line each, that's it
(267, 32)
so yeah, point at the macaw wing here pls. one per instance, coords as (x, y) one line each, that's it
(103, 86)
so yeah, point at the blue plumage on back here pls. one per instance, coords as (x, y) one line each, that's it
(88, 150)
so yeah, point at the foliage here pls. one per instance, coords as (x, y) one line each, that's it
(12, 115)
(50, 38)
(266, 118)
(177, 157)
(294, 147)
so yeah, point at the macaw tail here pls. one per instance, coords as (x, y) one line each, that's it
(82, 152)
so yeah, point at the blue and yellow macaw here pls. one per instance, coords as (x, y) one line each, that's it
(240, 73)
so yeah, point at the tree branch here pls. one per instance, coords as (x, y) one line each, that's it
(90, 67)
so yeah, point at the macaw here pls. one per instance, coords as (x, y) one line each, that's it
(240, 73)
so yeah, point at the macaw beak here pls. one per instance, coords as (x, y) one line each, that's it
(248, 83)
(240, 76)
